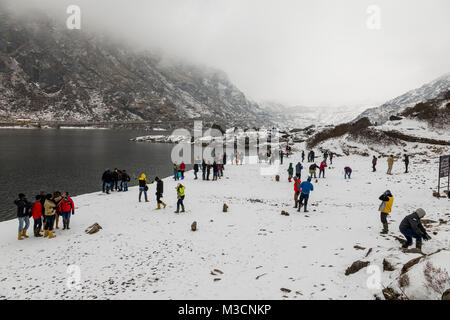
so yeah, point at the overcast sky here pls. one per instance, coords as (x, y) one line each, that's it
(314, 52)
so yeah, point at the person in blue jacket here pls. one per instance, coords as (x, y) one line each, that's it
(306, 187)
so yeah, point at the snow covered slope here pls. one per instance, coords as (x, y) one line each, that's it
(147, 254)
(428, 91)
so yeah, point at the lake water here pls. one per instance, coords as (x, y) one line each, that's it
(72, 160)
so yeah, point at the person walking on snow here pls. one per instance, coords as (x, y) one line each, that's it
(297, 191)
(303, 155)
(374, 164)
(281, 156)
(143, 188)
(180, 196)
(312, 170)
(290, 171)
(411, 227)
(23, 215)
(36, 212)
(298, 170)
(322, 167)
(325, 155)
(390, 162)
(406, 161)
(306, 187)
(385, 208)
(67, 208)
(331, 157)
(175, 171)
(347, 172)
(159, 193)
(195, 171)
(203, 169)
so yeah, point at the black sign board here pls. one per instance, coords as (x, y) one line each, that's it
(444, 170)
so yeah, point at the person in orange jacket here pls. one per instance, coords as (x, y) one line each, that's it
(297, 190)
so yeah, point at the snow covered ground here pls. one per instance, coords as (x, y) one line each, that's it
(143, 253)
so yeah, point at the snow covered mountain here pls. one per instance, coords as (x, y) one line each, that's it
(301, 116)
(428, 91)
(49, 72)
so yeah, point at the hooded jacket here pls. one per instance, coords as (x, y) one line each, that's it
(413, 222)
(386, 204)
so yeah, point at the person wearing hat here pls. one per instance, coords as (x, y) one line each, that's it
(411, 227)
(23, 215)
(385, 208)
(143, 188)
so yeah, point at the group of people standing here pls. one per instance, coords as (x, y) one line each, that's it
(116, 180)
(45, 210)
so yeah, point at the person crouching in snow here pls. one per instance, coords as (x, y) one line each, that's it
(290, 171)
(143, 188)
(306, 187)
(385, 208)
(312, 170)
(411, 227)
(180, 196)
(159, 193)
(36, 211)
(67, 208)
(322, 167)
(23, 214)
(297, 190)
(347, 172)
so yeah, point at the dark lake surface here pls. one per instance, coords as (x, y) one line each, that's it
(33, 160)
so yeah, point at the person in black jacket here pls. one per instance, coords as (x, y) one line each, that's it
(406, 161)
(107, 180)
(195, 171)
(23, 214)
(159, 193)
(125, 180)
(411, 227)
(115, 178)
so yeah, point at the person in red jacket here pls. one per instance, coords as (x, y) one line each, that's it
(322, 167)
(36, 211)
(182, 169)
(297, 190)
(66, 207)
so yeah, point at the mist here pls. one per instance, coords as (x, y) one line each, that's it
(312, 53)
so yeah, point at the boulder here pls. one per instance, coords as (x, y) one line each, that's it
(356, 266)
(446, 295)
(93, 229)
(225, 208)
(284, 213)
(277, 178)
(387, 266)
(194, 226)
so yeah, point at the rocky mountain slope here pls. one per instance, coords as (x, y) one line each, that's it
(49, 72)
(428, 91)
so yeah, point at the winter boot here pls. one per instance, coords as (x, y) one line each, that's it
(20, 236)
(67, 225)
(57, 223)
(24, 233)
(178, 209)
(305, 210)
(182, 208)
(419, 245)
(158, 206)
(38, 234)
(46, 233)
(51, 235)
(64, 225)
(146, 200)
(296, 204)
(385, 228)
(164, 205)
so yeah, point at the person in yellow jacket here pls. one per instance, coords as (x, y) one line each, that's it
(180, 196)
(385, 208)
(50, 213)
(390, 162)
(143, 188)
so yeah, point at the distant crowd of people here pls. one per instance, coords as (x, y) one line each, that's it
(116, 180)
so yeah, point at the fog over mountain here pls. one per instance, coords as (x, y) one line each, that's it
(313, 53)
